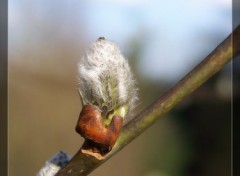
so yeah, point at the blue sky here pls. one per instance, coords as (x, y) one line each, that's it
(177, 34)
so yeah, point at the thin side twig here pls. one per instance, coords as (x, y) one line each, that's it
(82, 164)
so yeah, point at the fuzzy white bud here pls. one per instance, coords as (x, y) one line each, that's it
(105, 78)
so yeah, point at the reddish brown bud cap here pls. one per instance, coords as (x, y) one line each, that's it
(90, 125)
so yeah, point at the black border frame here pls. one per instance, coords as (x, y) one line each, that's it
(235, 94)
(3, 87)
(4, 91)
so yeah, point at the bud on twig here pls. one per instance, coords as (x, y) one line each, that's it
(108, 93)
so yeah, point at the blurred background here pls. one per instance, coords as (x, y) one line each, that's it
(162, 40)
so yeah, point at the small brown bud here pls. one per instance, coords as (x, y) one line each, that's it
(90, 125)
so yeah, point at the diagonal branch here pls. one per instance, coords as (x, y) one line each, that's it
(82, 164)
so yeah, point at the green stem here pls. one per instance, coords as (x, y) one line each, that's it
(81, 164)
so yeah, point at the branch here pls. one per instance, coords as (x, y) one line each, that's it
(82, 164)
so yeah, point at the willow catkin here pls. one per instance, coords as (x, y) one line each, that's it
(105, 78)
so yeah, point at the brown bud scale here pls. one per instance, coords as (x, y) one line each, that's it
(90, 125)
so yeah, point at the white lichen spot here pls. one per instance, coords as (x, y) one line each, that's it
(54, 164)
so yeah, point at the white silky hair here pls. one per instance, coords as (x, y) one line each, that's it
(105, 78)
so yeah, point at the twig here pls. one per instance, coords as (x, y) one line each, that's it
(82, 164)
